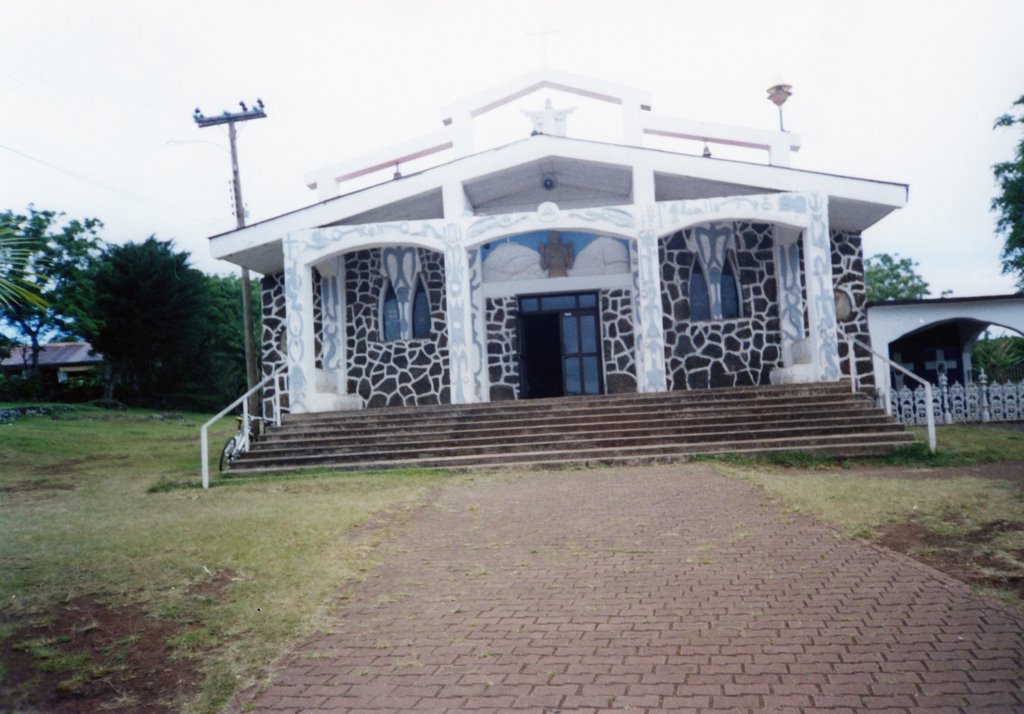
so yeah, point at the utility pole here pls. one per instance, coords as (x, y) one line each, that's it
(231, 119)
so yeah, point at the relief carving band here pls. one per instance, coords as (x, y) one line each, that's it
(556, 257)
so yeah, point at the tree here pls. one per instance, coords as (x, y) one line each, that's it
(222, 349)
(1009, 204)
(1002, 358)
(889, 277)
(148, 307)
(14, 257)
(50, 260)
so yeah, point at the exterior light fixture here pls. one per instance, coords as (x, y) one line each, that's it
(707, 151)
(778, 96)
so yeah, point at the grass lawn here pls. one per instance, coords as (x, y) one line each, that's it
(960, 510)
(122, 589)
(106, 582)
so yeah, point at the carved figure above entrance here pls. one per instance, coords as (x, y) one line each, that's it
(518, 258)
(556, 257)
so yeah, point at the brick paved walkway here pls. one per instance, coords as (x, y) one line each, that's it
(651, 589)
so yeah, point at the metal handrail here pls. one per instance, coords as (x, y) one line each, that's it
(204, 436)
(886, 395)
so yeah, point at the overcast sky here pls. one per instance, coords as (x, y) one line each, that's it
(97, 98)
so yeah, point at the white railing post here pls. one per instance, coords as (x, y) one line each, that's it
(204, 436)
(204, 450)
(276, 401)
(245, 426)
(853, 368)
(930, 419)
(930, 413)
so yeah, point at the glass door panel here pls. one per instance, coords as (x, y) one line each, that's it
(560, 345)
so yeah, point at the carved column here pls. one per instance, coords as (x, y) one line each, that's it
(478, 308)
(821, 307)
(650, 337)
(298, 301)
(459, 298)
(791, 302)
(335, 333)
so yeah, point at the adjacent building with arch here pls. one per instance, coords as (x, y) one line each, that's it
(556, 266)
(937, 336)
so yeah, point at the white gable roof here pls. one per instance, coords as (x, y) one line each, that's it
(582, 174)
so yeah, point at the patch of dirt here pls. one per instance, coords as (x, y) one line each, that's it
(968, 557)
(1012, 471)
(69, 465)
(87, 656)
(40, 484)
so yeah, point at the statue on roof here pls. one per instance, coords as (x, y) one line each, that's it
(549, 120)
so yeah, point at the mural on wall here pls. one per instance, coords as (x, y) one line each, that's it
(548, 254)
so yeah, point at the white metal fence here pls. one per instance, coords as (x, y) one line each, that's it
(976, 402)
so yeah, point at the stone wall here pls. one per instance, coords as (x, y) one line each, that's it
(619, 341)
(272, 344)
(502, 352)
(848, 276)
(721, 353)
(395, 372)
(399, 372)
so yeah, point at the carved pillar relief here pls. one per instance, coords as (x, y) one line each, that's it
(821, 307)
(459, 296)
(335, 338)
(791, 302)
(478, 312)
(298, 293)
(650, 339)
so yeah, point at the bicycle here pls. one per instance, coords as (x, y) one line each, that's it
(238, 444)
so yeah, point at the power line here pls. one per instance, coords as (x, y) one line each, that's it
(111, 189)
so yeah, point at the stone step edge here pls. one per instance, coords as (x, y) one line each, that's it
(796, 444)
(665, 435)
(754, 393)
(556, 415)
(846, 449)
(574, 423)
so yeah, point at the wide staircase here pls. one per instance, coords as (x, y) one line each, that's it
(583, 431)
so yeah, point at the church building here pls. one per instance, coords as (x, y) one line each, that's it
(556, 266)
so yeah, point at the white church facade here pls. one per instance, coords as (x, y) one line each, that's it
(556, 266)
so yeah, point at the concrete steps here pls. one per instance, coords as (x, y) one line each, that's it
(629, 428)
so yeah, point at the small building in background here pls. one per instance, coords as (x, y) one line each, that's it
(937, 336)
(58, 361)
